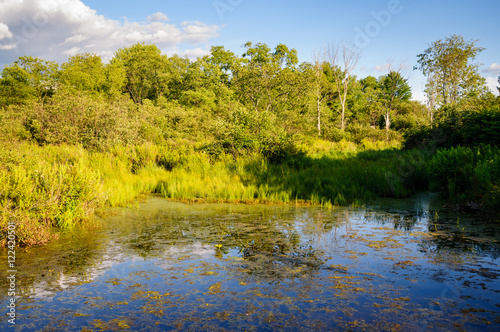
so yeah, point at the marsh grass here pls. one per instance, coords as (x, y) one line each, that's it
(336, 178)
(63, 186)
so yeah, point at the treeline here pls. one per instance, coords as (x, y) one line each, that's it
(260, 127)
(143, 95)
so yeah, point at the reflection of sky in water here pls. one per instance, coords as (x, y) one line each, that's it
(170, 266)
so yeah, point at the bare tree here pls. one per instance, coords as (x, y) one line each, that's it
(318, 95)
(343, 59)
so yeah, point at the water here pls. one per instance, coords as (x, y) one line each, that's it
(398, 265)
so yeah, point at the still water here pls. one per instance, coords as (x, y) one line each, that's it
(161, 266)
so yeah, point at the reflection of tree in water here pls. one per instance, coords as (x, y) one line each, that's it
(278, 254)
(402, 220)
(454, 237)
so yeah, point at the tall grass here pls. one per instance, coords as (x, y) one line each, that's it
(337, 178)
(60, 186)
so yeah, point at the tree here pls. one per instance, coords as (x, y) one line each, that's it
(223, 62)
(146, 69)
(318, 83)
(86, 72)
(451, 75)
(15, 87)
(29, 77)
(370, 88)
(266, 80)
(343, 59)
(394, 90)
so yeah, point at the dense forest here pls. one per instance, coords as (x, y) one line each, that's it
(257, 128)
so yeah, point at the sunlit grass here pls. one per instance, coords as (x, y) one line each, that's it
(64, 185)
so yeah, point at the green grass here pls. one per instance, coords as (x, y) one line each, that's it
(335, 178)
(63, 186)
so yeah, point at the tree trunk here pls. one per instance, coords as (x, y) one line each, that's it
(318, 108)
(387, 124)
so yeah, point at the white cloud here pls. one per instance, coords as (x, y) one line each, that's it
(158, 17)
(7, 47)
(492, 83)
(4, 31)
(55, 29)
(494, 69)
(192, 54)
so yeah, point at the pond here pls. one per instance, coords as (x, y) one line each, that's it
(162, 265)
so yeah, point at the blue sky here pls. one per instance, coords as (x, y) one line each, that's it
(386, 30)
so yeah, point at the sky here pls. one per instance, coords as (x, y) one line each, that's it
(387, 31)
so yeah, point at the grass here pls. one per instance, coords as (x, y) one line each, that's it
(63, 186)
(337, 178)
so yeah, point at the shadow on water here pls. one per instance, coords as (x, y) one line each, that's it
(396, 265)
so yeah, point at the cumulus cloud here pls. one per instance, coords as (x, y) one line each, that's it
(56, 29)
(494, 69)
(4, 31)
(158, 17)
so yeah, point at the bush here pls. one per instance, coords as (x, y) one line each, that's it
(48, 186)
(468, 128)
(467, 173)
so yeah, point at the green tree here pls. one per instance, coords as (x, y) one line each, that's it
(223, 63)
(318, 84)
(86, 72)
(372, 107)
(265, 80)
(394, 90)
(146, 70)
(28, 77)
(451, 75)
(15, 87)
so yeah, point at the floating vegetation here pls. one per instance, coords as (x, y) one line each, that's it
(168, 266)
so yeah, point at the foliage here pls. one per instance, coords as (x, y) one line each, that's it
(86, 72)
(469, 128)
(468, 174)
(450, 74)
(146, 71)
(257, 128)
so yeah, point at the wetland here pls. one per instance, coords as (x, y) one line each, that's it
(396, 265)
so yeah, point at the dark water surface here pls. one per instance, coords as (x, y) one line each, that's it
(398, 265)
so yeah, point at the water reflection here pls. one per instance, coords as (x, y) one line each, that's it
(399, 265)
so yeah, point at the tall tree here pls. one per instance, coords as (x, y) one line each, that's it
(86, 72)
(29, 77)
(146, 69)
(394, 90)
(266, 80)
(318, 83)
(370, 87)
(343, 59)
(451, 75)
